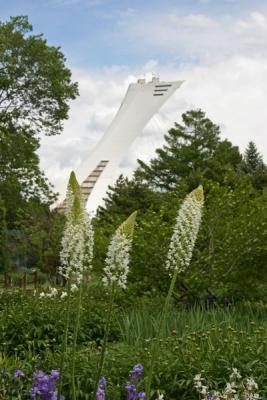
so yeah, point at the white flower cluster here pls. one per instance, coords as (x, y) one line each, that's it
(77, 243)
(117, 260)
(78, 238)
(185, 232)
(53, 292)
(77, 249)
(236, 389)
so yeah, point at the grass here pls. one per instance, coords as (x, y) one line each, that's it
(138, 325)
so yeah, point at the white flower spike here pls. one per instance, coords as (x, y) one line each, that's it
(185, 232)
(118, 256)
(78, 238)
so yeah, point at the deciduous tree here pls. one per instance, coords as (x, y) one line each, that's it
(35, 84)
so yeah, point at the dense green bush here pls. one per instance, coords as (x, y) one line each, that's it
(231, 252)
(30, 324)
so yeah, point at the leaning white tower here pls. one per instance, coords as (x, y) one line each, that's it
(142, 100)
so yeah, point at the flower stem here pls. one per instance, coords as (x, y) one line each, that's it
(65, 340)
(105, 340)
(74, 343)
(155, 344)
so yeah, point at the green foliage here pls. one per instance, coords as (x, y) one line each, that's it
(252, 158)
(35, 83)
(192, 149)
(232, 247)
(125, 197)
(36, 239)
(230, 252)
(30, 324)
(36, 88)
(4, 254)
(253, 165)
(226, 158)
(211, 341)
(21, 180)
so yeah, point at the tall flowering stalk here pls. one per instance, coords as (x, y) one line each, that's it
(77, 242)
(179, 256)
(115, 276)
(118, 255)
(185, 232)
(76, 261)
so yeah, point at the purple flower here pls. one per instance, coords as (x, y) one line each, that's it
(55, 373)
(132, 392)
(141, 395)
(18, 373)
(44, 386)
(100, 394)
(136, 372)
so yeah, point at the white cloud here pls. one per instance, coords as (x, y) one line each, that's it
(196, 35)
(229, 83)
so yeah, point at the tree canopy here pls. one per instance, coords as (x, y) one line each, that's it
(20, 176)
(35, 84)
(35, 90)
(193, 148)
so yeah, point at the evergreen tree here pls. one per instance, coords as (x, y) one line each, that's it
(253, 166)
(4, 258)
(252, 159)
(126, 196)
(192, 149)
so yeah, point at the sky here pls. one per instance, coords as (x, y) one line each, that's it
(218, 47)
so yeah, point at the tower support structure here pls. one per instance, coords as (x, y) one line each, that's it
(142, 100)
